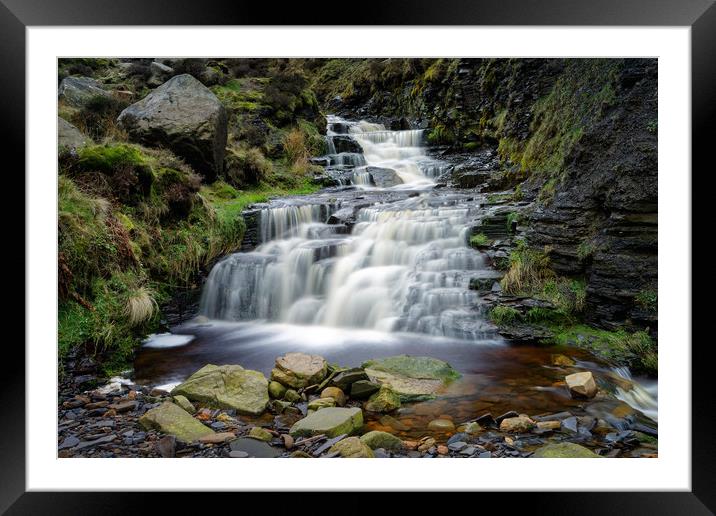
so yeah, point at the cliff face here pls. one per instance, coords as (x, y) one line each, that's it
(579, 134)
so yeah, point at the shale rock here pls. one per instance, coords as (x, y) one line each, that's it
(332, 421)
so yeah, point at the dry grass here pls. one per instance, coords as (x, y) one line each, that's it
(529, 270)
(140, 306)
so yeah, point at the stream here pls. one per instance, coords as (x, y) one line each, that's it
(377, 266)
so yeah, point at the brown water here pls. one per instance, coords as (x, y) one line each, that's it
(496, 377)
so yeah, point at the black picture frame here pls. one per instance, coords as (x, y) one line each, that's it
(16, 15)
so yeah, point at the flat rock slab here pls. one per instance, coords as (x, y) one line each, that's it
(331, 421)
(174, 420)
(254, 448)
(227, 386)
(412, 378)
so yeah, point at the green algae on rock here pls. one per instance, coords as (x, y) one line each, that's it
(331, 421)
(227, 386)
(173, 420)
(411, 378)
(564, 451)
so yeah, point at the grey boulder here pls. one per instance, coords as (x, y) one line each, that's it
(185, 116)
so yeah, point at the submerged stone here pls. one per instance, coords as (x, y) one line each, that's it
(254, 448)
(412, 378)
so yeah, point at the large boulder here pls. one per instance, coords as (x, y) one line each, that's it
(227, 386)
(581, 385)
(299, 370)
(411, 378)
(564, 451)
(331, 421)
(185, 116)
(77, 91)
(68, 136)
(346, 144)
(174, 420)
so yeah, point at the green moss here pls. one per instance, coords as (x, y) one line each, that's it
(504, 315)
(636, 350)
(648, 299)
(580, 95)
(479, 240)
(513, 218)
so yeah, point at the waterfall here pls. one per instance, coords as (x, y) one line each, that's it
(399, 154)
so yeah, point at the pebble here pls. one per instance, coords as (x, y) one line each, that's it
(468, 451)
(570, 424)
(458, 437)
(166, 446)
(69, 442)
(237, 454)
(457, 446)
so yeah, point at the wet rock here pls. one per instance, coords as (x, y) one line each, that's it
(227, 386)
(441, 425)
(457, 446)
(336, 394)
(78, 91)
(330, 421)
(217, 438)
(564, 450)
(506, 415)
(581, 385)
(97, 441)
(166, 446)
(184, 403)
(516, 424)
(260, 433)
(172, 419)
(548, 425)
(569, 424)
(299, 370)
(292, 396)
(562, 360)
(299, 454)
(412, 378)
(69, 442)
(377, 439)
(185, 116)
(344, 380)
(321, 403)
(385, 400)
(462, 436)
(352, 448)
(238, 454)
(384, 177)
(393, 423)
(473, 428)
(425, 444)
(276, 390)
(364, 389)
(347, 144)
(254, 448)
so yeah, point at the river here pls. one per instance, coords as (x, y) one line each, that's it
(379, 265)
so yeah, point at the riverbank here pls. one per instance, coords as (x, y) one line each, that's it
(375, 402)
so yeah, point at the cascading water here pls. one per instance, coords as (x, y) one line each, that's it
(405, 266)
(389, 158)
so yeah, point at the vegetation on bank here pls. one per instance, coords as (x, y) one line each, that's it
(530, 275)
(136, 224)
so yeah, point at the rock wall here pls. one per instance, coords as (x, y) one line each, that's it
(581, 136)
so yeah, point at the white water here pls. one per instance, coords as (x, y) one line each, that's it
(400, 151)
(405, 266)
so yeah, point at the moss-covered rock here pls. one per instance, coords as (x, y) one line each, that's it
(385, 400)
(332, 421)
(564, 451)
(377, 439)
(411, 378)
(352, 448)
(227, 386)
(174, 420)
(184, 403)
